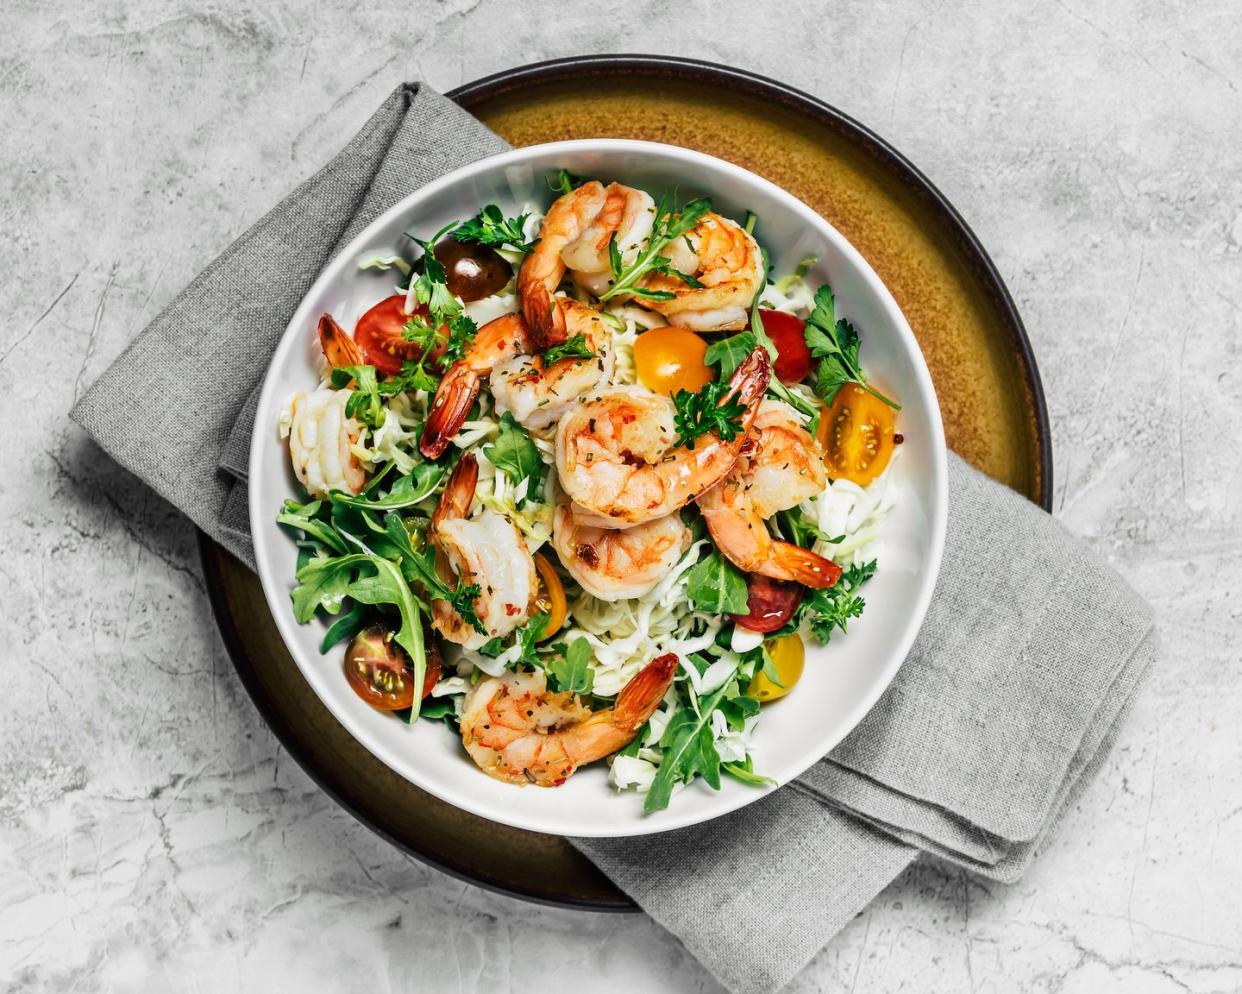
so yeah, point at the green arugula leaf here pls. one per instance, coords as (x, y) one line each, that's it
(326, 581)
(689, 748)
(516, 455)
(307, 518)
(832, 608)
(572, 671)
(416, 486)
(737, 709)
(419, 565)
(572, 348)
(491, 227)
(745, 773)
(716, 586)
(345, 627)
(528, 637)
(710, 411)
(835, 342)
(665, 229)
(727, 353)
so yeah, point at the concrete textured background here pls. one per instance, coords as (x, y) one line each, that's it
(152, 834)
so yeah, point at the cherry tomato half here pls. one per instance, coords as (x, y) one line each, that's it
(856, 433)
(472, 271)
(671, 359)
(788, 657)
(379, 333)
(770, 603)
(551, 597)
(376, 668)
(793, 358)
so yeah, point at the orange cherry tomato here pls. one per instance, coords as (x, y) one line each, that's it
(788, 656)
(551, 597)
(377, 669)
(856, 433)
(671, 359)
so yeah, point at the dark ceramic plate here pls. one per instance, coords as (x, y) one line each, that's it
(961, 313)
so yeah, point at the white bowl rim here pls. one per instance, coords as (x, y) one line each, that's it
(263, 530)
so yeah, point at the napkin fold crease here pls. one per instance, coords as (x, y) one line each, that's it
(1007, 705)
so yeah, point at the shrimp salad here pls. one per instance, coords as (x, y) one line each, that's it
(585, 484)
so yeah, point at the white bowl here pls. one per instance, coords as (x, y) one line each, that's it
(841, 682)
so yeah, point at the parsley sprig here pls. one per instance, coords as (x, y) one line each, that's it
(832, 608)
(665, 229)
(490, 227)
(572, 348)
(834, 341)
(431, 285)
(710, 411)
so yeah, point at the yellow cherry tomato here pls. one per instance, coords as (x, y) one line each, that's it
(671, 359)
(551, 596)
(788, 658)
(856, 434)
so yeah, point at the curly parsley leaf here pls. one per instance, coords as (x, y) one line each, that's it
(571, 670)
(490, 227)
(573, 348)
(667, 227)
(716, 586)
(832, 608)
(710, 411)
(430, 287)
(834, 341)
(515, 454)
(462, 330)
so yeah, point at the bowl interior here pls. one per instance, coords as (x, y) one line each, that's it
(841, 681)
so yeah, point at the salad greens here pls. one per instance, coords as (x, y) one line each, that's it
(365, 558)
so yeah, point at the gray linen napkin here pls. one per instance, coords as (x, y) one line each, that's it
(1008, 703)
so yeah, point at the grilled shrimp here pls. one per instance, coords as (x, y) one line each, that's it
(780, 466)
(726, 259)
(575, 236)
(518, 731)
(614, 564)
(616, 459)
(320, 436)
(488, 550)
(537, 396)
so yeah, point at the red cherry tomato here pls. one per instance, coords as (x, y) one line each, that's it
(793, 358)
(770, 603)
(377, 669)
(379, 333)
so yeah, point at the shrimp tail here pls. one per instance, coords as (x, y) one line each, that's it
(459, 491)
(749, 382)
(338, 348)
(455, 396)
(640, 697)
(792, 562)
(544, 317)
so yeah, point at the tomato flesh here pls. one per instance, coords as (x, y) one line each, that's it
(379, 334)
(376, 669)
(857, 435)
(793, 358)
(788, 656)
(770, 603)
(671, 359)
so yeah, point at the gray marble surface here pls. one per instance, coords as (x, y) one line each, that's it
(153, 836)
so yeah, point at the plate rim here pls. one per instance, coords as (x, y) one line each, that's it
(496, 84)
